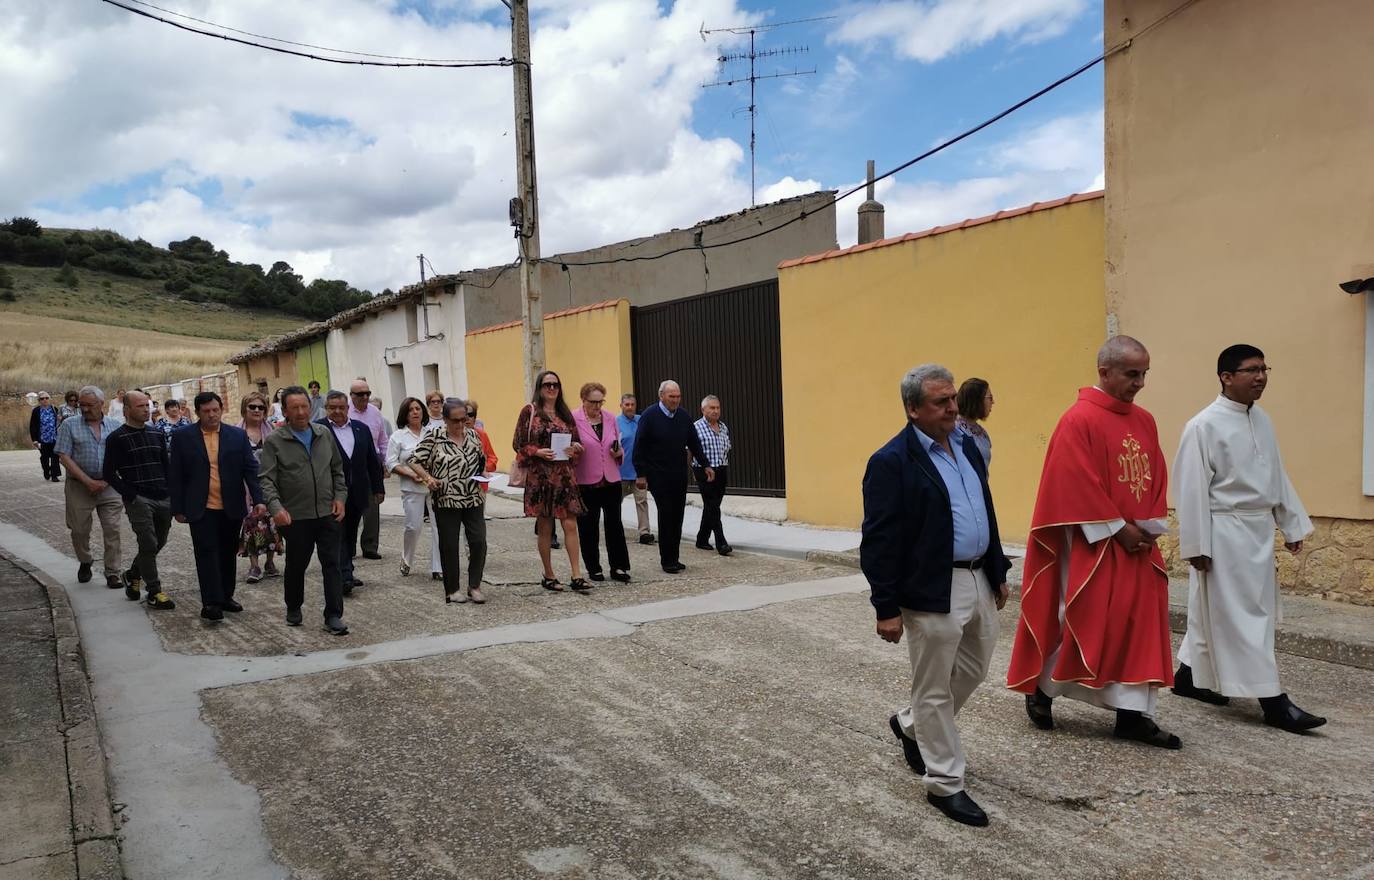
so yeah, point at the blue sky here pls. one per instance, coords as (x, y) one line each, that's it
(349, 172)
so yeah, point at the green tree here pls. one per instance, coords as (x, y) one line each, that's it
(66, 276)
(26, 226)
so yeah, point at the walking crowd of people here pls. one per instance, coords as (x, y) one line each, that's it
(1094, 611)
(304, 474)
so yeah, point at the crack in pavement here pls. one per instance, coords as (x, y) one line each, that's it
(186, 815)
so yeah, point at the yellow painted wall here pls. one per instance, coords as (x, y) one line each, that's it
(1239, 195)
(585, 346)
(1018, 302)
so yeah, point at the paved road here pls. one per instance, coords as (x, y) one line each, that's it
(732, 725)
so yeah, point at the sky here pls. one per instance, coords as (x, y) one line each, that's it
(123, 123)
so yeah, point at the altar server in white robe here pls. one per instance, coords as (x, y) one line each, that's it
(1232, 492)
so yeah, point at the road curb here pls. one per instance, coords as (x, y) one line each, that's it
(1287, 639)
(93, 824)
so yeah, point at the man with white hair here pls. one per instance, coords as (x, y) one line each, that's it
(665, 437)
(715, 442)
(80, 447)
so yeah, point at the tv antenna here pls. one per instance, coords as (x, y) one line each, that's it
(752, 56)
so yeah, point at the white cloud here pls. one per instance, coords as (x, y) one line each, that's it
(418, 160)
(929, 30)
(1044, 162)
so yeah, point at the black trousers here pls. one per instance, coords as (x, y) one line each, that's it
(320, 537)
(215, 538)
(452, 522)
(150, 520)
(670, 497)
(49, 461)
(602, 502)
(711, 494)
(348, 542)
(372, 524)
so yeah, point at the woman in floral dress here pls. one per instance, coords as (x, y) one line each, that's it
(550, 484)
(259, 535)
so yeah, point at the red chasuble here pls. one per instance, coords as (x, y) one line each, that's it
(1103, 463)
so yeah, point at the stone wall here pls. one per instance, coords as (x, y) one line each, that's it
(1336, 563)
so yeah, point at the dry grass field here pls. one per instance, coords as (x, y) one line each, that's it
(53, 355)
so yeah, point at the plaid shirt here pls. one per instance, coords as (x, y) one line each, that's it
(715, 445)
(74, 438)
(136, 462)
(453, 466)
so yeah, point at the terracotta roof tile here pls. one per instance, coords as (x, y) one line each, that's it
(605, 304)
(941, 230)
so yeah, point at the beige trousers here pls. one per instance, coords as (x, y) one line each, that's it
(950, 654)
(627, 487)
(109, 507)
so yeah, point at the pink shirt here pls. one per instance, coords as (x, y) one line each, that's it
(597, 463)
(372, 417)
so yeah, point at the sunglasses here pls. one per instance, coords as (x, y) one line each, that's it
(361, 393)
(551, 385)
(257, 407)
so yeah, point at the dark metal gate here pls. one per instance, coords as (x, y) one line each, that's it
(725, 343)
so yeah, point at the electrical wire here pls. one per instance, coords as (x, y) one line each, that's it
(501, 62)
(1084, 68)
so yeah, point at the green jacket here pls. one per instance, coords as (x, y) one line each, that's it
(303, 483)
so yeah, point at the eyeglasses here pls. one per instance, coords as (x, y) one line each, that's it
(551, 385)
(256, 407)
(1258, 370)
(595, 402)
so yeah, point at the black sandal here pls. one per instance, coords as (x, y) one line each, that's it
(551, 584)
(579, 585)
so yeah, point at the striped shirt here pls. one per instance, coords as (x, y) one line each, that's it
(715, 444)
(86, 448)
(136, 462)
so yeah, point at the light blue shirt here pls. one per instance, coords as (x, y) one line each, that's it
(306, 436)
(670, 413)
(628, 428)
(971, 534)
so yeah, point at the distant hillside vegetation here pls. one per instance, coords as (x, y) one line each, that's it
(191, 270)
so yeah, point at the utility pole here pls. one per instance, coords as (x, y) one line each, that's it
(424, 296)
(525, 208)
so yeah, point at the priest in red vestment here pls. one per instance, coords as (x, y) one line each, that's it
(1095, 597)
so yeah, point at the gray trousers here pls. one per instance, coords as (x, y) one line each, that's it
(452, 521)
(81, 506)
(627, 487)
(151, 520)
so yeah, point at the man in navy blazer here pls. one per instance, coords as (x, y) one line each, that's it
(362, 470)
(933, 558)
(665, 438)
(211, 467)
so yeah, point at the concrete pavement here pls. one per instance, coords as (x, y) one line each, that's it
(727, 725)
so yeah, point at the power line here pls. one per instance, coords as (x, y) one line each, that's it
(1125, 44)
(226, 27)
(502, 62)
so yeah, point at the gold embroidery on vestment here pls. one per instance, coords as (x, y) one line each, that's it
(1135, 467)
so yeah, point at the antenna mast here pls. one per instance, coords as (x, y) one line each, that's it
(752, 56)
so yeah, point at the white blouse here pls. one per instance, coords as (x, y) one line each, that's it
(399, 449)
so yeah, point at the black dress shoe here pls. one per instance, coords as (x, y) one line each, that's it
(1134, 726)
(83, 573)
(646, 539)
(210, 612)
(371, 554)
(724, 549)
(293, 617)
(1184, 687)
(1039, 708)
(909, 747)
(622, 576)
(960, 807)
(704, 545)
(674, 568)
(596, 575)
(231, 605)
(554, 545)
(1281, 713)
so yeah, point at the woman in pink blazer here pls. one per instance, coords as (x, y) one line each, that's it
(598, 480)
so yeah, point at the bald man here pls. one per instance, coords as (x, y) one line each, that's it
(665, 437)
(1095, 600)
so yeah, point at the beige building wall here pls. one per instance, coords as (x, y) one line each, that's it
(389, 347)
(1239, 138)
